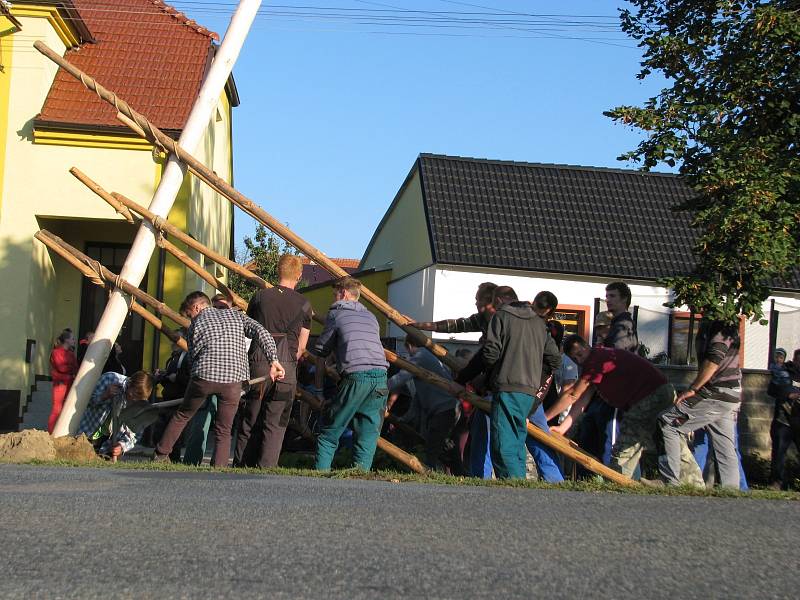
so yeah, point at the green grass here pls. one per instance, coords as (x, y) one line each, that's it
(596, 485)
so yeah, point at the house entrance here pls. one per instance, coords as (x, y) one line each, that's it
(95, 298)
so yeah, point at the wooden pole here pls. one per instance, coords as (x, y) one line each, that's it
(164, 226)
(146, 129)
(555, 441)
(95, 187)
(101, 276)
(201, 272)
(170, 334)
(172, 177)
(104, 277)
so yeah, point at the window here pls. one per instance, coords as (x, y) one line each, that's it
(682, 331)
(574, 319)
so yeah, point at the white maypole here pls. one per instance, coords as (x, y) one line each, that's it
(116, 311)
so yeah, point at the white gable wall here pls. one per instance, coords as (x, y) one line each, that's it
(413, 295)
(445, 292)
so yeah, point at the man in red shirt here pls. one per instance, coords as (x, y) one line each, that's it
(625, 381)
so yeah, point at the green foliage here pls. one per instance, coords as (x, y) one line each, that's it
(730, 122)
(260, 254)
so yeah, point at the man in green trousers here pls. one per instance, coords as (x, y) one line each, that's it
(354, 334)
(516, 348)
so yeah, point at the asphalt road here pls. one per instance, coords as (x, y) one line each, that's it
(82, 533)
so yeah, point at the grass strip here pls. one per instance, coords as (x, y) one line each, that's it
(596, 485)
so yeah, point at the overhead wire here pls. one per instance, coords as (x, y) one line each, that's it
(393, 20)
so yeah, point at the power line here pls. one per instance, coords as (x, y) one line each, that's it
(396, 20)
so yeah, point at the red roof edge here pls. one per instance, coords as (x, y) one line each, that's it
(183, 19)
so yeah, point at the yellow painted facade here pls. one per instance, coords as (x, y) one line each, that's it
(86, 140)
(41, 293)
(6, 56)
(403, 243)
(321, 297)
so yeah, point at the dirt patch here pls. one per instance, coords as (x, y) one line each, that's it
(74, 448)
(25, 446)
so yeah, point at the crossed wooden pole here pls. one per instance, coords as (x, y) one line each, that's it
(130, 208)
(100, 275)
(143, 127)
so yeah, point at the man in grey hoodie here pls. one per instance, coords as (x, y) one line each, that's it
(353, 333)
(517, 345)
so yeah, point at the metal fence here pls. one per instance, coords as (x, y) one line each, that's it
(784, 328)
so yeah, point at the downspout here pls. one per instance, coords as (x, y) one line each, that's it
(162, 263)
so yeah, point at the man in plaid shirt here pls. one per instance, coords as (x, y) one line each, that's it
(218, 357)
(96, 421)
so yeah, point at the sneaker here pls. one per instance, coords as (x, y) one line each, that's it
(159, 458)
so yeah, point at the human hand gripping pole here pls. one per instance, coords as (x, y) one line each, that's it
(276, 371)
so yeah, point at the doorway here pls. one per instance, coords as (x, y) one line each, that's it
(95, 298)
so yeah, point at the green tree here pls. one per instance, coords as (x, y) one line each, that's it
(730, 121)
(260, 254)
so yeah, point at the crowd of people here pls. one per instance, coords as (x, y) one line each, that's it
(599, 392)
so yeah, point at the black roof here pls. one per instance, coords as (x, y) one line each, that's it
(556, 218)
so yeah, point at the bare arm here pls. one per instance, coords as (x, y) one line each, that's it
(576, 409)
(568, 397)
(302, 341)
(393, 396)
(462, 325)
(704, 374)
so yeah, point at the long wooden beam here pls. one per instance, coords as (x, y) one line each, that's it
(555, 441)
(170, 334)
(120, 202)
(52, 242)
(145, 128)
(101, 276)
(204, 103)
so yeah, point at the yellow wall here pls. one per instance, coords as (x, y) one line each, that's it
(202, 213)
(42, 294)
(37, 185)
(209, 213)
(321, 298)
(175, 276)
(25, 269)
(5, 87)
(403, 239)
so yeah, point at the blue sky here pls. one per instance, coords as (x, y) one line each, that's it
(336, 108)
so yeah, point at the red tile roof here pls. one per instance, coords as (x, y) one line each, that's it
(151, 55)
(344, 263)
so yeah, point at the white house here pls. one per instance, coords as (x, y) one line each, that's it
(457, 222)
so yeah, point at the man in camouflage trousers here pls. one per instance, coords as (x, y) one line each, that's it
(625, 381)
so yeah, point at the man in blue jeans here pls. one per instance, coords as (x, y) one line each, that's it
(517, 345)
(480, 461)
(544, 305)
(354, 334)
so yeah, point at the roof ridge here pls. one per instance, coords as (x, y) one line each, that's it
(183, 19)
(548, 165)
